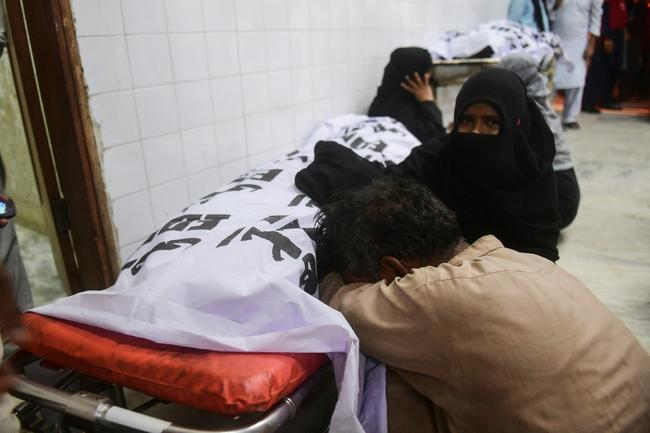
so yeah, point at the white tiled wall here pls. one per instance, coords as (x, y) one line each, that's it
(187, 94)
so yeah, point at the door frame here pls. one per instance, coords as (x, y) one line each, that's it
(45, 60)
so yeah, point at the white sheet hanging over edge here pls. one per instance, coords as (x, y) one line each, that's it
(235, 271)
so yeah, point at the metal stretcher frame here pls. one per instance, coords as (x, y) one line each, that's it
(105, 415)
(456, 71)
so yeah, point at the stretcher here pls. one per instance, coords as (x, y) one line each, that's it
(456, 71)
(256, 392)
(457, 55)
(198, 313)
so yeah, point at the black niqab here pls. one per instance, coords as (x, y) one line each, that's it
(403, 62)
(497, 184)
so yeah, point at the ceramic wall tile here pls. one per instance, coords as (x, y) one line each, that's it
(132, 217)
(164, 158)
(150, 60)
(184, 15)
(223, 54)
(157, 110)
(188, 53)
(219, 15)
(115, 118)
(123, 168)
(105, 61)
(98, 17)
(143, 16)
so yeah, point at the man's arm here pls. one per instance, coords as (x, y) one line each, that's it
(398, 323)
(595, 15)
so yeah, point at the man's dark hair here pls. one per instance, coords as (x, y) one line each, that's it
(389, 217)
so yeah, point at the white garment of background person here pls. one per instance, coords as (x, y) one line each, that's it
(8, 422)
(574, 21)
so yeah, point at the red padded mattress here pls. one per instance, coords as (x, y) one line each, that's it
(225, 382)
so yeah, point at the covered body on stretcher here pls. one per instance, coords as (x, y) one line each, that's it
(458, 55)
(217, 310)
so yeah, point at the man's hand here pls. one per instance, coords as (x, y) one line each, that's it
(591, 48)
(418, 86)
(608, 45)
(588, 54)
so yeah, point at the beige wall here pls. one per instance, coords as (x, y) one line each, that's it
(21, 183)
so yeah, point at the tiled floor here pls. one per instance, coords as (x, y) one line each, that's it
(607, 247)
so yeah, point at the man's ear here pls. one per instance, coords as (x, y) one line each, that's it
(391, 268)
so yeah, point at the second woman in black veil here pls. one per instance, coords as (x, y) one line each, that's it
(406, 95)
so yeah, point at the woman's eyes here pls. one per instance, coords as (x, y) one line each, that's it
(490, 122)
(482, 123)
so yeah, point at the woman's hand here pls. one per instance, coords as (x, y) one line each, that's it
(418, 86)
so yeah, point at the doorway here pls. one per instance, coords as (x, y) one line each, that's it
(25, 246)
(63, 203)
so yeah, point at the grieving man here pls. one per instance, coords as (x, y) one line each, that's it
(476, 338)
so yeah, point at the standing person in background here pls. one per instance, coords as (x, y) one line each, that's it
(577, 24)
(645, 69)
(552, 6)
(608, 59)
(632, 78)
(530, 13)
(10, 255)
(406, 95)
(9, 329)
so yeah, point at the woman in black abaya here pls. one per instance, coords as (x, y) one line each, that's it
(494, 170)
(406, 95)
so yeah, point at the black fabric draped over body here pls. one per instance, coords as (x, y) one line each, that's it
(422, 119)
(497, 184)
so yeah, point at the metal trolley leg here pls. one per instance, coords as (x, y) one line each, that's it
(102, 413)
